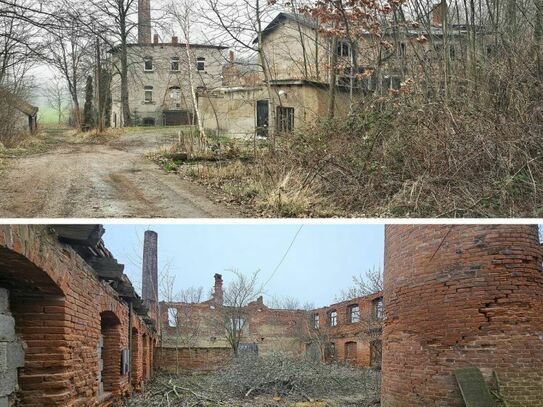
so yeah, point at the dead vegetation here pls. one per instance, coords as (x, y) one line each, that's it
(397, 156)
(275, 380)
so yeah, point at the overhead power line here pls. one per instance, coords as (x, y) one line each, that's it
(284, 256)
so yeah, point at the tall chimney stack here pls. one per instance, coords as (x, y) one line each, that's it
(144, 21)
(150, 273)
(218, 293)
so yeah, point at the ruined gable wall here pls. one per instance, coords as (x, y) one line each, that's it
(460, 296)
(61, 329)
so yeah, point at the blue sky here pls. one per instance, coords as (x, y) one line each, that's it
(320, 263)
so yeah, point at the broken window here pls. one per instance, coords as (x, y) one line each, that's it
(175, 93)
(172, 317)
(175, 64)
(316, 321)
(378, 309)
(353, 314)
(148, 96)
(237, 324)
(148, 63)
(201, 64)
(285, 119)
(332, 318)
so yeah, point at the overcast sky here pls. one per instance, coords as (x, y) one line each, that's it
(320, 263)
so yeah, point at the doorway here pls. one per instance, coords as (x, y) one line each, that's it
(262, 118)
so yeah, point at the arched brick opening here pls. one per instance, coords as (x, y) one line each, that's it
(38, 308)
(459, 296)
(145, 354)
(136, 360)
(109, 354)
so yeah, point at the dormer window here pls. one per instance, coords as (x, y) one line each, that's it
(148, 64)
(175, 64)
(201, 64)
(343, 49)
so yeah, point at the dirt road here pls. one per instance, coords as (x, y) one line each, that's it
(112, 179)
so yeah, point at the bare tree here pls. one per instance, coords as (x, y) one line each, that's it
(232, 316)
(183, 12)
(56, 97)
(365, 284)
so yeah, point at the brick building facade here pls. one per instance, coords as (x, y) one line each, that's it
(70, 316)
(461, 296)
(348, 332)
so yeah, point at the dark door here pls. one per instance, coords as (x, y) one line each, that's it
(262, 117)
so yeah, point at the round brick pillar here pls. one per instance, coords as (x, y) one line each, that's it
(461, 296)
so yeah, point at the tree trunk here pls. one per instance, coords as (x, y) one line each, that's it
(127, 120)
(332, 87)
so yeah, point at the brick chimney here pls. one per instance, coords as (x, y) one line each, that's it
(150, 273)
(437, 14)
(144, 21)
(155, 39)
(175, 40)
(217, 291)
(231, 58)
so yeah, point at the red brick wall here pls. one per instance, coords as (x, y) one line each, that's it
(196, 360)
(459, 296)
(57, 302)
(346, 331)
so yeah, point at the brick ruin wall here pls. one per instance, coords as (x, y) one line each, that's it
(462, 296)
(347, 335)
(61, 309)
(271, 330)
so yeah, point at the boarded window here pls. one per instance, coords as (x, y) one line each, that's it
(201, 64)
(332, 318)
(172, 317)
(148, 64)
(285, 119)
(353, 314)
(175, 64)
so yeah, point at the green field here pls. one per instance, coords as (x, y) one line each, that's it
(47, 115)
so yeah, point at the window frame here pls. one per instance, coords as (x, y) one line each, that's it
(378, 309)
(172, 317)
(148, 59)
(202, 61)
(175, 60)
(353, 317)
(316, 321)
(332, 318)
(146, 90)
(285, 119)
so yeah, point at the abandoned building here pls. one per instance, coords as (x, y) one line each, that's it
(193, 337)
(72, 329)
(234, 99)
(159, 81)
(461, 309)
(17, 115)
